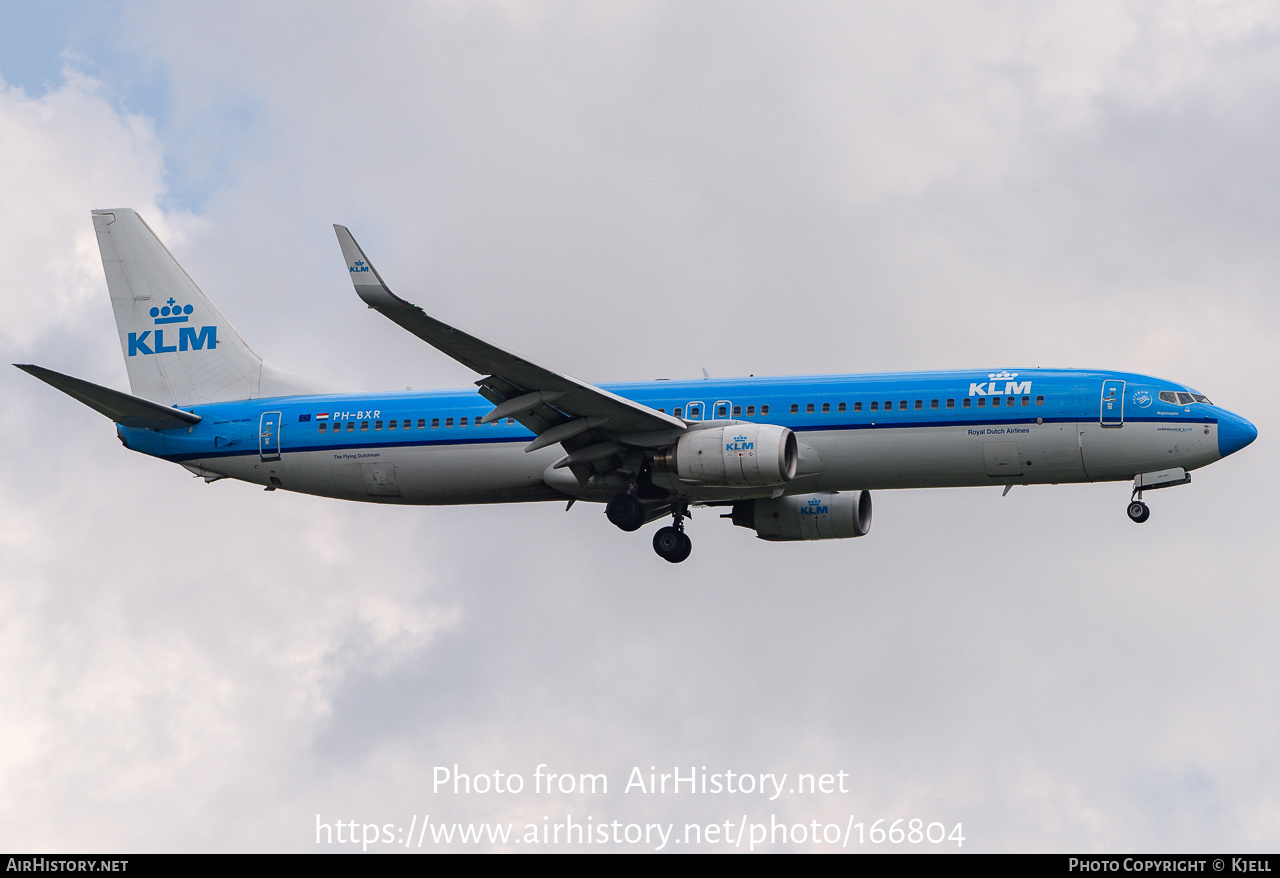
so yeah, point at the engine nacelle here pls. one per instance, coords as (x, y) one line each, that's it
(739, 456)
(807, 516)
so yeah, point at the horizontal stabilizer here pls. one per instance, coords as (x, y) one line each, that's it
(126, 410)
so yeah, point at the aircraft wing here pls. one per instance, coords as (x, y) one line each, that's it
(126, 410)
(554, 406)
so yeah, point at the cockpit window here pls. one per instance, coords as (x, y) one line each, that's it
(1178, 397)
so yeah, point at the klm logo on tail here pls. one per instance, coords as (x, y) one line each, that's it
(189, 337)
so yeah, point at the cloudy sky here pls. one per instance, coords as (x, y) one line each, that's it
(624, 191)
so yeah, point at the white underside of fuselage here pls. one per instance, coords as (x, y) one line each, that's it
(874, 458)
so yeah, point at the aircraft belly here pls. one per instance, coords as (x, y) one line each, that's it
(420, 475)
(948, 456)
(482, 473)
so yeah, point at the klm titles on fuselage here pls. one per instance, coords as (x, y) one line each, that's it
(993, 386)
(189, 338)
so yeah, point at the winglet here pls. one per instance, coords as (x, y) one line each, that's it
(368, 283)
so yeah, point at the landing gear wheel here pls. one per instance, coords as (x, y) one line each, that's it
(1138, 511)
(626, 512)
(672, 545)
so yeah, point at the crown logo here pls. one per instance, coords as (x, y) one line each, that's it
(172, 312)
(1001, 375)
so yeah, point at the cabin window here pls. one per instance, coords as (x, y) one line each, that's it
(323, 427)
(902, 405)
(751, 410)
(1026, 400)
(391, 425)
(435, 423)
(462, 422)
(888, 405)
(826, 408)
(406, 423)
(722, 411)
(448, 422)
(1039, 400)
(995, 401)
(857, 406)
(967, 402)
(951, 403)
(933, 403)
(663, 410)
(422, 423)
(364, 425)
(377, 425)
(795, 408)
(695, 412)
(982, 402)
(678, 412)
(809, 409)
(737, 411)
(351, 426)
(919, 404)
(840, 407)
(875, 406)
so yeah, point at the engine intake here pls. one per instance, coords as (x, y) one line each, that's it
(807, 516)
(739, 456)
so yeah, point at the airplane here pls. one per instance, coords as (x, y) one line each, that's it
(790, 458)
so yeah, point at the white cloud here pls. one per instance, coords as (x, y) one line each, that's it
(632, 191)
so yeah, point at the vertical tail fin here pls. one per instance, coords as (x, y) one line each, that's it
(178, 348)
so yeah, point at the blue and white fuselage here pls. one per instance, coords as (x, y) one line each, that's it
(855, 432)
(795, 458)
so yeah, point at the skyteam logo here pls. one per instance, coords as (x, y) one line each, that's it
(740, 444)
(1142, 399)
(189, 338)
(1000, 384)
(359, 266)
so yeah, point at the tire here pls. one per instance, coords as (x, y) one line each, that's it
(667, 543)
(686, 546)
(625, 512)
(1138, 512)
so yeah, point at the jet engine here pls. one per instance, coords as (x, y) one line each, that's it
(738, 456)
(807, 516)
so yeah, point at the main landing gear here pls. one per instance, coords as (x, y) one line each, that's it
(626, 512)
(671, 542)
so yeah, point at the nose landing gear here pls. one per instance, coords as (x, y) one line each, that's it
(1138, 511)
(671, 542)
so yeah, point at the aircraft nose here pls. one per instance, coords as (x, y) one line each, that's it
(1234, 433)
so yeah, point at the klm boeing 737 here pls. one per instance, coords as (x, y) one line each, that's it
(790, 458)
